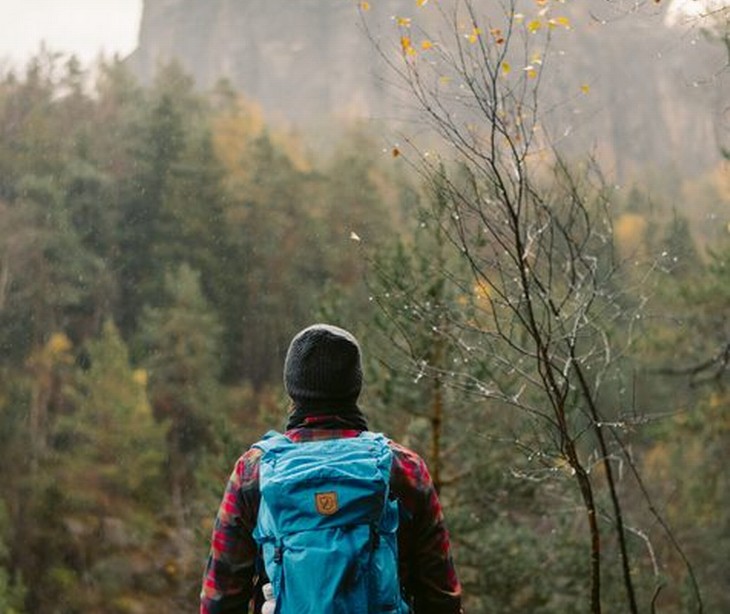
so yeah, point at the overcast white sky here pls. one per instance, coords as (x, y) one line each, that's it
(84, 27)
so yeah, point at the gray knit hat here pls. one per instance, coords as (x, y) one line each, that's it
(323, 366)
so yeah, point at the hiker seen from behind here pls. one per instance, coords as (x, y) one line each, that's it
(329, 517)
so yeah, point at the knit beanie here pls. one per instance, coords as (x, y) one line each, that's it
(322, 368)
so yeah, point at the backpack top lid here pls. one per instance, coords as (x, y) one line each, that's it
(323, 483)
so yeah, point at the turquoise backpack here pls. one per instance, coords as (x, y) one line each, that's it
(327, 525)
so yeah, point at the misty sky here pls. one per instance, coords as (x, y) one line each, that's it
(83, 27)
(86, 27)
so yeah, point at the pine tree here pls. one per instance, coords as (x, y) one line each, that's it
(181, 341)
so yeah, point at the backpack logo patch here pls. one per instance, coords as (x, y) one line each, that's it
(326, 503)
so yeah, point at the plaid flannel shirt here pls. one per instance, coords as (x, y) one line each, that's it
(425, 564)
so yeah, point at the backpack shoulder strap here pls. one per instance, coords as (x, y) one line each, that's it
(370, 435)
(377, 438)
(380, 445)
(271, 440)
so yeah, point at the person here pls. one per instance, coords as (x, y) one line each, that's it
(323, 379)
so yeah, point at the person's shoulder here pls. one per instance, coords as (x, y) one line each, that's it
(404, 453)
(246, 471)
(409, 470)
(252, 455)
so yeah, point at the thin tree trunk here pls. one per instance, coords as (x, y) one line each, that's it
(620, 531)
(436, 426)
(37, 418)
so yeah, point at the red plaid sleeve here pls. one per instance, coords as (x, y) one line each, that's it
(229, 573)
(426, 565)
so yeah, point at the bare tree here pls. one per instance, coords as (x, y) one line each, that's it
(548, 311)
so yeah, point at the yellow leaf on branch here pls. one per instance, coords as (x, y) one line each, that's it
(407, 46)
(534, 26)
(559, 21)
(364, 6)
(506, 68)
(404, 22)
(482, 290)
(473, 37)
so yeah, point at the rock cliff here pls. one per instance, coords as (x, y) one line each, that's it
(656, 96)
(300, 59)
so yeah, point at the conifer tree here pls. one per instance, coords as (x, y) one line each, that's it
(181, 341)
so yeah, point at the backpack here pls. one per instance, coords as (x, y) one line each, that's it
(327, 525)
